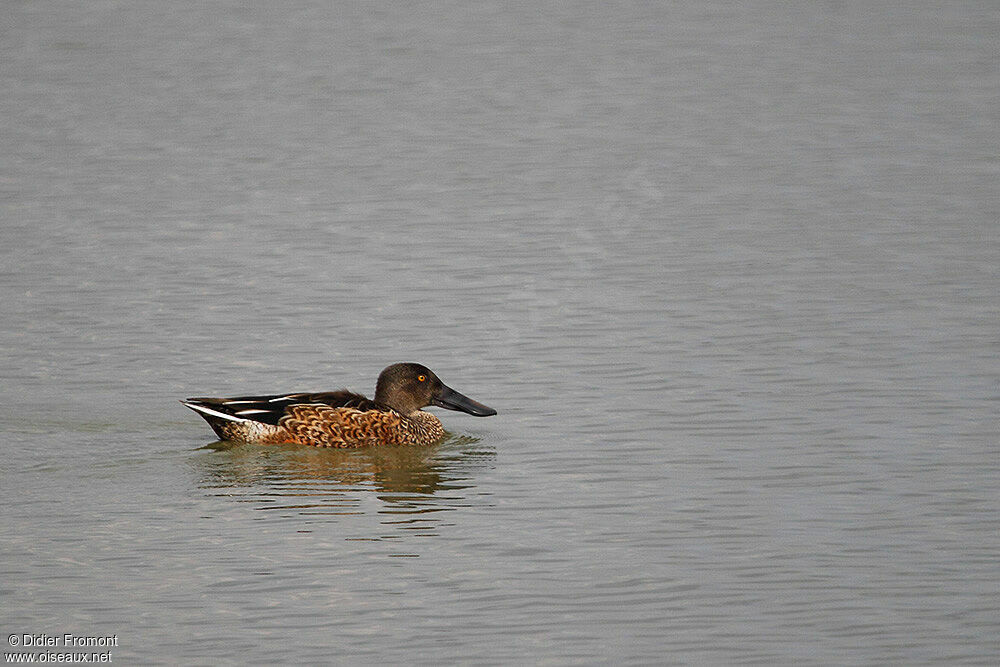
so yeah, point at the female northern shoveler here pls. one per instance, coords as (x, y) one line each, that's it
(341, 418)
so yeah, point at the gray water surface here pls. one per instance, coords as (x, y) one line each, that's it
(728, 273)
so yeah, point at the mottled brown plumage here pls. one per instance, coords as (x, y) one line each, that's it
(342, 418)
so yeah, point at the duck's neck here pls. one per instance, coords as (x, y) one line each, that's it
(424, 427)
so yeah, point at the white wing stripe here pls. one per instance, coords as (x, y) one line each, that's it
(215, 413)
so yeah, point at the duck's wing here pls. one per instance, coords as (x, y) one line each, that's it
(270, 409)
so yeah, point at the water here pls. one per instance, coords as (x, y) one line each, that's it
(729, 274)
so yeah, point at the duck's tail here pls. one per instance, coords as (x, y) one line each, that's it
(220, 422)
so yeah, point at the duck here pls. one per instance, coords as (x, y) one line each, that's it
(342, 418)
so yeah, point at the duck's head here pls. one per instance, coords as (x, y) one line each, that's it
(408, 387)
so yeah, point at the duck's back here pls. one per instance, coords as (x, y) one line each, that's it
(270, 409)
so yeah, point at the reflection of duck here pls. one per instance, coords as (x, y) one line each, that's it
(341, 418)
(297, 471)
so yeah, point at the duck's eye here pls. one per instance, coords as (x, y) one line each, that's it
(421, 378)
